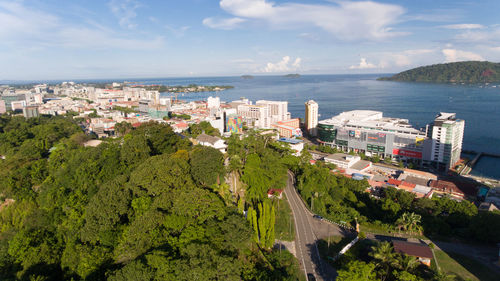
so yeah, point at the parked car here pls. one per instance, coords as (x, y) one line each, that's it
(318, 217)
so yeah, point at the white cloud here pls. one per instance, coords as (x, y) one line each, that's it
(453, 55)
(346, 20)
(464, 26)
(124, 10)
(479, 36)
(178, 32)
(22, 26)
(285, 65)
(226, 24)
(363, 64)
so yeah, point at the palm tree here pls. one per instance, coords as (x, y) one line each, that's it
(409, 222)
(384, 255)
(405, 263)
(442, 276)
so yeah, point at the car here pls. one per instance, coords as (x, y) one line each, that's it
(310, 277)
(318, 217)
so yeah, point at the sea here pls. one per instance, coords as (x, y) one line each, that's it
(477, 104)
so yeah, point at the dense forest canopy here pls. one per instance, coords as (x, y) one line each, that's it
(456, 72)
(145, 206)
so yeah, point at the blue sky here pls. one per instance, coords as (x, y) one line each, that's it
(71, 39)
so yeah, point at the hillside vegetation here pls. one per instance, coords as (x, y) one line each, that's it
(456, 72)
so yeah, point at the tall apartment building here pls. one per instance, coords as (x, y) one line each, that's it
(311, 121)
(278, 110)
(255, 115)
(447, 136)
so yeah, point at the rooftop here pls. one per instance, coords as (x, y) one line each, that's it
(370, 119)
(412, 249)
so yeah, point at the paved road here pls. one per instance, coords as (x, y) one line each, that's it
(306, 228)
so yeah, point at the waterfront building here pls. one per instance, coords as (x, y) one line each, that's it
(369, 132)
(447, 136)
(311, 120)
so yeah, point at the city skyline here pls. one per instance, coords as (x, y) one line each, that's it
(139, 39)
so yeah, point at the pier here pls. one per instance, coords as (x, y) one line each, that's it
(468, 167)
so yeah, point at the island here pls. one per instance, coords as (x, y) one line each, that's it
(192, 88)
(292, 75)
(457, 72)
(246, 76)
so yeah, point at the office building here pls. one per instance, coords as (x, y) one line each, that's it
(311, 121)
(447, 136)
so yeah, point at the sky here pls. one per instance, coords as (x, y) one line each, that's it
(88, 39)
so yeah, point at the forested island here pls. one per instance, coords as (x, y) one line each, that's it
(292, 75)
(457, 72)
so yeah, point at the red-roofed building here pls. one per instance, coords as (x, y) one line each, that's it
(421, 251)
(447, 187)
(393, 182)
(274, 192)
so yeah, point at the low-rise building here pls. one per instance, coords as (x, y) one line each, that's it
(420, 251)
(212, 141)
(342, 160)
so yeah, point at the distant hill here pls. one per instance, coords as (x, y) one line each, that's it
(456, 72)
(293, 75)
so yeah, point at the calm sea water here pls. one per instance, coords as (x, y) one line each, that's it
(478, 105)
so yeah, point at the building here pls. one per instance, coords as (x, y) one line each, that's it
(278, 110)
(447, 135)
(342, 160)
(212, 141)
(369, 132)
(255, 115)
(288, 128)
(421, 251)
(233, 124)
(311, 121)
(3, 108)
(295, 144)
(30, 111)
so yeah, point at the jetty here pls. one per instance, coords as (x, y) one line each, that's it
(468, 167)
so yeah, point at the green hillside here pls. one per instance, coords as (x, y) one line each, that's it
(456, 72)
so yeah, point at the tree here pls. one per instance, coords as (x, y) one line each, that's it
(409, 222)
(207, 165)
(357, 271)
(384, 257)
(262, 221)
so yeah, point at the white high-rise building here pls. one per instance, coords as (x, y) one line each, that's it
(255, 115)
(213, 102)
(447, 137)
(278, 110)
(311, 121)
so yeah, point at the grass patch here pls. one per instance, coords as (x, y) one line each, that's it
(464, 268)
(385, 229)
(337, 243)
(284, 225)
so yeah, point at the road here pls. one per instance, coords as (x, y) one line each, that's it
(307, 230)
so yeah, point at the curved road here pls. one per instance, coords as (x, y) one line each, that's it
(306, 228)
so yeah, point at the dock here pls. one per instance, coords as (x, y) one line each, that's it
(468, 167)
